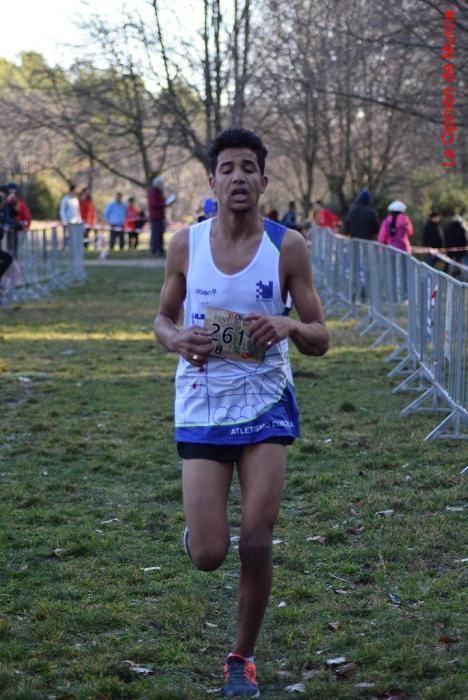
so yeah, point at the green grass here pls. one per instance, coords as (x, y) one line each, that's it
(90, 496)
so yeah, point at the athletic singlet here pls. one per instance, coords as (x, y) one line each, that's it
(235, 401)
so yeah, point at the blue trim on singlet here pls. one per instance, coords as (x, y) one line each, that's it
(275, 232)
(281, 420)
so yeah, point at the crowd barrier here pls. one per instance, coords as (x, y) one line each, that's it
(46, 260)
(420, 310)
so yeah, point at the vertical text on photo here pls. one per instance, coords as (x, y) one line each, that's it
(449, 131)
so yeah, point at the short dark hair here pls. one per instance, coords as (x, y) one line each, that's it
(236, 138)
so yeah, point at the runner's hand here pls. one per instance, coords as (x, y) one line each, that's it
(266, 330)
(194, 344)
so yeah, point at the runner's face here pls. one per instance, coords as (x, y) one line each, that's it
(238, 182)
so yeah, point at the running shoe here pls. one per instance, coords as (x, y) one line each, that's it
(240, 678)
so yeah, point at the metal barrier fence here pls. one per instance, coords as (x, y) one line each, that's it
(46, 260)
(423, 311)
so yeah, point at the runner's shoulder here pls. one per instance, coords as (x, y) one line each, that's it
(293, 243)
(178, 248)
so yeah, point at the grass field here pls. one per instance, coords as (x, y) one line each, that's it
(97, 598)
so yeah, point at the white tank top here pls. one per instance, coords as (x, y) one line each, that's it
(235, 401)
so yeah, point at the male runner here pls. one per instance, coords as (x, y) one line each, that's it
(235, 403)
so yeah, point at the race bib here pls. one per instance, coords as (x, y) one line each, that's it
(230, 339)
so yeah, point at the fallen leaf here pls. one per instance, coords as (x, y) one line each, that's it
(56, 553)
(277, 542)
(340, 591)
(151, 568)
(443, 643)
(355, 530)
(213, 691)
(336, 661)
(346, 671)
(296, 688)
(210, 624)
(394, 599)
(283, 604)
(385, 513)
(141, 670)
(455, 509)
(448, 640)
(310, 674)
(316, 538)
(335, 626)
(112, 520)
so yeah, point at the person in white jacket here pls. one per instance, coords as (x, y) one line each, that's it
(70, 208)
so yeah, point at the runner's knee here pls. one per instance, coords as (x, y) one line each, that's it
(255, 548)
(209, 556)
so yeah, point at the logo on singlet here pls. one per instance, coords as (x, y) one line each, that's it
(264, 290)
(205, 292)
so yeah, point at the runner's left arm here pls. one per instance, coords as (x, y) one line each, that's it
(309, 333)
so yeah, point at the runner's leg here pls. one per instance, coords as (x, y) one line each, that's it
(261, 473)
(206, 486)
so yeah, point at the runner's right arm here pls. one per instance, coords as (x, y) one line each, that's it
(193, 342)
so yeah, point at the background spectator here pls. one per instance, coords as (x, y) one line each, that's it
(325, 217)
(289, 218)
(455, 237)
(157, 216)
(70, 208)
(5, 258)
(11, 223)
(361, 220)
(115, 214)
(396, 228)
(131, 221)
(88, 214)
(24, 215)
(432, 236)
(140, 222)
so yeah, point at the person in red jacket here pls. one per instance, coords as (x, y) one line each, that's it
(133, 215)
(324, 217)
(88, 214)
(23, 213)
(157, 216)
(20, 218)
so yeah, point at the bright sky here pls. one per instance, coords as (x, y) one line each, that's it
(48, 26)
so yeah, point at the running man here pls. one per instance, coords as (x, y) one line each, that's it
(235, 405)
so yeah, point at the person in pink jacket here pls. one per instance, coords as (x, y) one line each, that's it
(396, 228)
